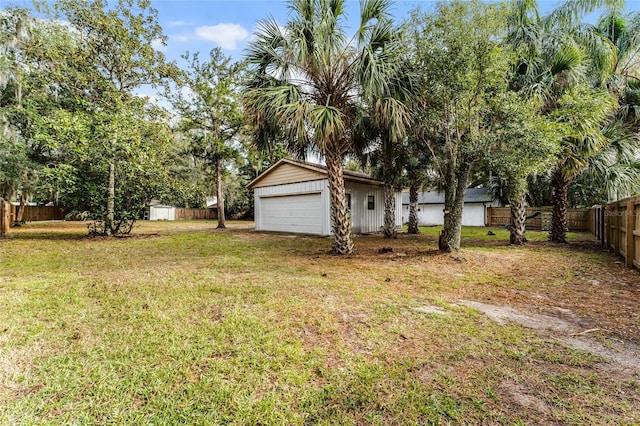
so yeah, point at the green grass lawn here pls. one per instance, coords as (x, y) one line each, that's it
(185, 324)
(482, 233)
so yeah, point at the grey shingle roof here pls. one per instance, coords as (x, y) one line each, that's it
(471, 195)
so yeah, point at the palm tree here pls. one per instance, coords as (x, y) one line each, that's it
(563, 67)
(419, 176)
(613, 173)
(617, 168)
(385, 145)
(623, 31)
(311, 83)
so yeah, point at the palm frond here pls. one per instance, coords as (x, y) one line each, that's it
(568, 58)
(372, 12)
(328, 127)
(267, 52)
(570, 12)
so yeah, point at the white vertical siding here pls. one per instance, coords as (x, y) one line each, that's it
(326, 205)
(399, 210)
(473, 214)
(363, 219)
(162, 213)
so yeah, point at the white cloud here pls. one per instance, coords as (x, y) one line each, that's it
(177, 24)
(179, 37)
(158, 45)
(226, 35)
(187, 92)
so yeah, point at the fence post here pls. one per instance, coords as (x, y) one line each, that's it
(609, 225)
(629, 249)
(602, 214)
(5, 217)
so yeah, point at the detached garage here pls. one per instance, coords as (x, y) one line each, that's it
(293, 196)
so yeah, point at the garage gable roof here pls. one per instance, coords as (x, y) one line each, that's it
(287, 171)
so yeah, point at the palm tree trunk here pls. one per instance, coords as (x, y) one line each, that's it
(111, 200)
(517, 225)
(220, 194)
(389, 228)
(413, 209)
(340, 221)
(559, 226)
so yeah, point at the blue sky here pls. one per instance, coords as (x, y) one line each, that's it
(205, 24)
(200, 25)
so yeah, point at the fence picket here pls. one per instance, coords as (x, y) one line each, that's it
(619, 229)
(577, 219)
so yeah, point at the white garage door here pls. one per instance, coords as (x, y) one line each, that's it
(292, 213)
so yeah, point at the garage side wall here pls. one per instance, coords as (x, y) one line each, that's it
(399, 210)
(297, 207)
(363, 219)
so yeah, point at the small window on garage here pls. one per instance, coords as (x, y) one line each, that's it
(348, 201)
(371, 202)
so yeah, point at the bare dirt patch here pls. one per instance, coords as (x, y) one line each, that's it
(521, 395)
(542, 277)
(624, 358)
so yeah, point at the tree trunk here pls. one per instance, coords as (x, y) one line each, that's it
(454, 204)
(111, 200)
(340, 221)
(220, 194)
(389, 228)
(5, 217)
(20, 209)
(559, 226)
(413, 208)
(517, 225)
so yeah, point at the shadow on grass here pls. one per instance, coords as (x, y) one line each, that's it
(45, 236)
(423, 244)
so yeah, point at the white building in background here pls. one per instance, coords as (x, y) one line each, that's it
(431, 207)
(158, 211)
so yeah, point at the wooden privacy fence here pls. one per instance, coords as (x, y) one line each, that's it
(31, 213)
(577, 219)
(617, 226)
(36, 213)
(196, 214)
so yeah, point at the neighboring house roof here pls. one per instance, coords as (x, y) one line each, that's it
(471, 195)
(287, 171)
(29, 204)
(212, 202)
(157, 203)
